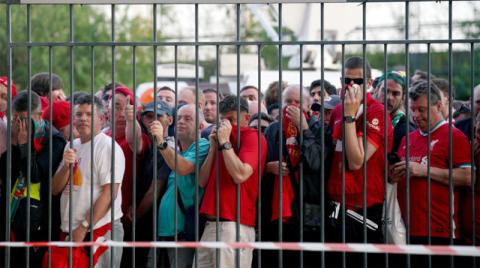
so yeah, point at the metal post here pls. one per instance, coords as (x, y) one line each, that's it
(322, 129)
(385, 144)
(70, 172)
(9, 131)
(92, 144)
(154, 166)
(197, 124)
(407, 114)
(280, 136)
(364, 137)
(237, 192)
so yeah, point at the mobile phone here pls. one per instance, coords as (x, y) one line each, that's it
(393, 158)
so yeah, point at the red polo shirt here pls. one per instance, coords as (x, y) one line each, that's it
(375, 165)
(248, 154)
(440, 201)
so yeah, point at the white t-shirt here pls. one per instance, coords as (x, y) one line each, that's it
(102, 157)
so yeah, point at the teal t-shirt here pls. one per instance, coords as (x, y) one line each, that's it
(186, 188)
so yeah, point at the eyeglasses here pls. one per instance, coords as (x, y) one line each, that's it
(348, 81)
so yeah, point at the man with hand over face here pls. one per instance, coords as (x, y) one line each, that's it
(296, 125)
(38, 185)
(238, 165)
(351, 122)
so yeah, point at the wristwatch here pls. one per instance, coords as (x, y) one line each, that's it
(85, 224)
(226, 146)
(162, 146)
(349, 119)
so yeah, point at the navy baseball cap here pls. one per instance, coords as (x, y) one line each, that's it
(162, 108)
(331, 101)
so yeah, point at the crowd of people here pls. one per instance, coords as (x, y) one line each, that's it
(172, 177)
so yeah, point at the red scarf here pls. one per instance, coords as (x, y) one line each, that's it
(290, 133)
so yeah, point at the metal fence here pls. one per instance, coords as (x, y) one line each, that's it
(322, 249)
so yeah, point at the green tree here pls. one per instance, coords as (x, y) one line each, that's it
(50, 23)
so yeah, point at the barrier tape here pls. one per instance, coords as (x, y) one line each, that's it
(473, 251)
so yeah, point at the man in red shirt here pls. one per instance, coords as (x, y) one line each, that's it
(352, 141)
(438, 130)
(238, 164)
(125, 121)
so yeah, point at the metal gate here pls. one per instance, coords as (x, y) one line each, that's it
(321, 245)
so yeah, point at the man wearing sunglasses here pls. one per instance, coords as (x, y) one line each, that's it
(348, 134)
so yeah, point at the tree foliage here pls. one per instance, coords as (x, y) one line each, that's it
(51, 23)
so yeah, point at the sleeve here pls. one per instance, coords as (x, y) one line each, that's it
(67, 145)
(272, 144)
(248, 153)
(311, 148)
(104, 162)
(460, 150)
(145, 144)
(39, 162)
(203, 146)
(376, 126)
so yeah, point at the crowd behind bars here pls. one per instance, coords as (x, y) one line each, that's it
(306, 145)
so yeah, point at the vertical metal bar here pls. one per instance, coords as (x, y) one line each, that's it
(407, 114)
(259, 203)
(217, 162)
(364, 137)
(344, 255)
(29, 128)
(112, 166)
(385, 144)
(472, 152)
(154, 166)
(322, 129)
(134, 169)
(70, 171)
(175, 221)
(300, 200)
(197, 124)
(237, 192)
(50, 148)
(9, 131)
(280, 135)
(92, 144)
(450, 120)
(429, 181)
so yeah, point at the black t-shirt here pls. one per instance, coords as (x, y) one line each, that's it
(163, 171)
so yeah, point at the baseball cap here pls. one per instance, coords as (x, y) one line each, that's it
(60, 114)
(162, 108)
(331, 101)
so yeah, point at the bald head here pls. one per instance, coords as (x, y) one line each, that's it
(186, 117)
(187, 96)
(292, 94)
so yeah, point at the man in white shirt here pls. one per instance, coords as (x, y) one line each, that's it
(79, 155)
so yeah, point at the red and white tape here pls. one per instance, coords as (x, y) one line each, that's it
(338, 247)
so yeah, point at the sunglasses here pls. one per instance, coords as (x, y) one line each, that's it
(348, 81)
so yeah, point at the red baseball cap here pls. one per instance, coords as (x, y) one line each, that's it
(126, 92)
(60, 114)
